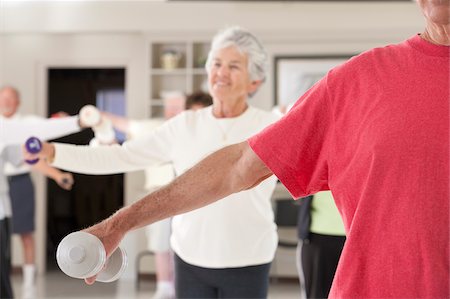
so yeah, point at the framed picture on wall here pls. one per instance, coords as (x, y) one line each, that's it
(294, 75)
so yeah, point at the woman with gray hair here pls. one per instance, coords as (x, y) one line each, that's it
(224, 249)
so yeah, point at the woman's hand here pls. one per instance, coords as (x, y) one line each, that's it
(47, 153)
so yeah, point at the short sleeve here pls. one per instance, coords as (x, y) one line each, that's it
(296, 147)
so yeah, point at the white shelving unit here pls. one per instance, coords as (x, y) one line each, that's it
(187, 76)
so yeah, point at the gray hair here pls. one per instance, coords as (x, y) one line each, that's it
(246, 43)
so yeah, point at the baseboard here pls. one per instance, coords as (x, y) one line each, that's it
(287, 280)
(17, 270)
(147, 276)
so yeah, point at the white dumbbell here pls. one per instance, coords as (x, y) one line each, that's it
(104, 132)
(103, 129)
(90, 116)
(82, 255)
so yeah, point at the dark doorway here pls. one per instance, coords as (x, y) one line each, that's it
(92, 198)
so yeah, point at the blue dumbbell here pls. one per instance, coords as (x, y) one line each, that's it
(33, 146)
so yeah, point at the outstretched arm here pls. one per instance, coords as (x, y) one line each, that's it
(153, 149)
(16, 132)
(63, 179)
(131, 156)
(229, 170)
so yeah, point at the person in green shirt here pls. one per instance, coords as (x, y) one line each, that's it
(322, 236)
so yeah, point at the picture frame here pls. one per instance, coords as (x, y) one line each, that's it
(294, 75)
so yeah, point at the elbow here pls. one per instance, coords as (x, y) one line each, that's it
(250, 170)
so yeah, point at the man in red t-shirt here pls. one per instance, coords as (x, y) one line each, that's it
(369, 142)
(374, 131)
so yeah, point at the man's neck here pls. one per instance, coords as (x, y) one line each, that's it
(437, 34)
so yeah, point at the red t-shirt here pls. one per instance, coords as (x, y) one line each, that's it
(375, 131)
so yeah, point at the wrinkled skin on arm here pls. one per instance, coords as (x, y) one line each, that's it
(229, 170)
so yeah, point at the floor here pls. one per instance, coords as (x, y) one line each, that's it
(57, 285)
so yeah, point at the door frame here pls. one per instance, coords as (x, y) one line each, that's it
(41, 109)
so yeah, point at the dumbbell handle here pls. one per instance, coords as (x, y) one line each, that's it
(33, 145)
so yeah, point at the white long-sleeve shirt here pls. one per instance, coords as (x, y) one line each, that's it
(10, 169)
(16, 132)
(155, 176)
(13, 155)
(236, 231)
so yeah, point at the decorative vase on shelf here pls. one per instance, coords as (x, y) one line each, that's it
(170, 59)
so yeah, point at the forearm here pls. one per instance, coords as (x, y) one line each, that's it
(232, 169)
(46, 169)
(96, 160)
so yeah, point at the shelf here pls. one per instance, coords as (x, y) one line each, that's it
(168, 72)
(162, 84)
(174, 66)
(199, 72)
(159, 49)
(200, 82)
(156, 102)
(200, 53)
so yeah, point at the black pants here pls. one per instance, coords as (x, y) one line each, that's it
(5, 259)
(197, 282)
(320, 257)
(21, 192)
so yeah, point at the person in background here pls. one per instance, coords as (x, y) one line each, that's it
(155, 177)
(198, 100)
(13, 133)
(223, 250)
(321, 234)
(363, 132)
(21, 188)
(321, 237)
(13, 155)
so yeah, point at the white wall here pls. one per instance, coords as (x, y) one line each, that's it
(25, 60)
(38, 34)
(34, 31)
(126, 16)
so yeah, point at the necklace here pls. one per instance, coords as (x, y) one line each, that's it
(225, 128)
(225, 125)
